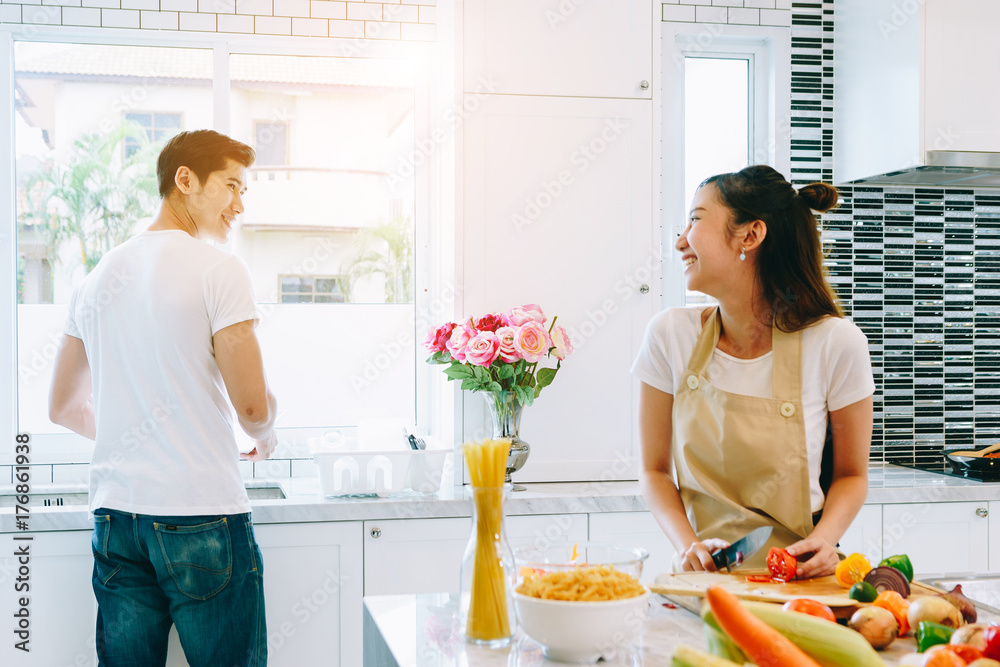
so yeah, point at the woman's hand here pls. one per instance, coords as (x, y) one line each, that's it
(698, 555)
(822, 561)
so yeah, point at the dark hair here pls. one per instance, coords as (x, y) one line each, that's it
(201, 151)
(790, 260)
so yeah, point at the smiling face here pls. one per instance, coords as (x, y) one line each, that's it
(709, 251)
(214, 205)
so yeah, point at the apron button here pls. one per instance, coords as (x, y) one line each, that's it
(692, 382)
(787, 409)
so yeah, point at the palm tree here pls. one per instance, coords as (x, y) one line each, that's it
(94, 198)
(385, 249)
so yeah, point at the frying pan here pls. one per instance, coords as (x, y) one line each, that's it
(964, 461)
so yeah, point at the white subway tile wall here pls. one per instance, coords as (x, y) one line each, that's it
(735, 12)
(408, 20)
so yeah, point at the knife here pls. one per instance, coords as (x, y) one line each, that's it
(733, 556)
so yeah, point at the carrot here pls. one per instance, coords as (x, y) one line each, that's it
(764, 645)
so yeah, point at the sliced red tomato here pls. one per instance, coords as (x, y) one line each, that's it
(811, 607)
(759, 578)
(781, 564)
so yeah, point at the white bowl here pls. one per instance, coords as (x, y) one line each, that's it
(581, 632)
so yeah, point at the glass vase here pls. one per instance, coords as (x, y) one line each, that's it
(505, 414)
(487, 600)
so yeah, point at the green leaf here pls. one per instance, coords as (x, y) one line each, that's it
(494, 386)
(529, 397)
(481, 374)
(469, 384)
(505, 371)
(458, 372)
(531, 380)
(439, 358)
(545, 377)
(522, 394)
(538, 390)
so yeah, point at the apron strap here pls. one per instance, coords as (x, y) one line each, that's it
(701, 358)
(786, 366)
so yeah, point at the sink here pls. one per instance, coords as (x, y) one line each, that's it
(76, 495)
(984, 590)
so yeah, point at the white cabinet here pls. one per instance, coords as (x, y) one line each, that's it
(425, 555)
(600, 48)
(913, 77)
(939, 538)
(993, 508)
(61, 607)
(312, 594)
(961, 67)
(558, 211)
(865, 534)
(405, 556)
(635, 529)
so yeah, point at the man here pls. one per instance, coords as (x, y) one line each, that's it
(161, 327)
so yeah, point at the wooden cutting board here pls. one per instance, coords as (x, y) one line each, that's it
(822, 589)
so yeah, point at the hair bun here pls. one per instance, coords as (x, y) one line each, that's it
(819, 196)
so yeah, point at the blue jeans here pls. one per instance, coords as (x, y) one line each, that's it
(203, 574)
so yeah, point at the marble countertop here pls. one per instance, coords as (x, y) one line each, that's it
(424, 631)
(303, 501)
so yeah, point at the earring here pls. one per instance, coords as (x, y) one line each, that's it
(743, 255)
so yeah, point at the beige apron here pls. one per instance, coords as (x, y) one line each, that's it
(740, 460)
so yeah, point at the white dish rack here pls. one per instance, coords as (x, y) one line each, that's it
(348, 473)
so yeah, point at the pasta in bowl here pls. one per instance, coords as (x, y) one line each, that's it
(581, 601)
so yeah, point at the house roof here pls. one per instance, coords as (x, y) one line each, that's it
(158, 63)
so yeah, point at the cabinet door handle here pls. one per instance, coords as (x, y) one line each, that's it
(376, 532)
(644, 84)
(982, 512)
(644, 289)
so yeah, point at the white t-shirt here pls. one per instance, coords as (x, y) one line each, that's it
(146, 315)
(836, 371)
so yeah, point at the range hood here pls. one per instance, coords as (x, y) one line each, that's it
(951, 169)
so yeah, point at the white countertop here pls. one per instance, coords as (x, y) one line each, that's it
(424, 630)
(304, 503)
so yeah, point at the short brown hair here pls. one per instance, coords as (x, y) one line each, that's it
(201, 151)
(790, 264)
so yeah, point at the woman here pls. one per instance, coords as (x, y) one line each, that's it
(739, 396)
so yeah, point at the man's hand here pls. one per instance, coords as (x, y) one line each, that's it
(263, 450)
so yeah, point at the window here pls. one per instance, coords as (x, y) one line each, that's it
(725, 107)
(271, 143)
(158, 127)
(331, 218)
(311, 289)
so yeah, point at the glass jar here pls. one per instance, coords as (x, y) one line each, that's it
(487, 581)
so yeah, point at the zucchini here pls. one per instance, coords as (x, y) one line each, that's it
(827, 643)
(719, 643)
(688, 656)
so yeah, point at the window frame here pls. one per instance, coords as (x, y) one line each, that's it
(150, 131)
(430, 406)
(769, 50)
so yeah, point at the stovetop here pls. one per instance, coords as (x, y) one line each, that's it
(943, 468)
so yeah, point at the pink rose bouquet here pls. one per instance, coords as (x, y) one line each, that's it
(500, 352)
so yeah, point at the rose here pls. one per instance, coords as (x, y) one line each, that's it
(532, 341)
(482, 349)
(489, 322)
(438, 337)
(563, 345)
(508, 352)
(529, 312)
(460, 337)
